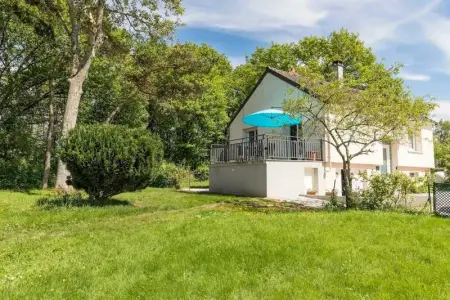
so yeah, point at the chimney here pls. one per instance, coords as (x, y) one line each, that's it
(339, 68)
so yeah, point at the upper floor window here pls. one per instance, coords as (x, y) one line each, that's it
(414, 142)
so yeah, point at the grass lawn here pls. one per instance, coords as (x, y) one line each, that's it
(170, 244)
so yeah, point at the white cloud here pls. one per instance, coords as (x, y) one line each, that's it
(252, 15)
(436, 30)
(290, 20)
(442, 112)
(414, 76)
(236, 60)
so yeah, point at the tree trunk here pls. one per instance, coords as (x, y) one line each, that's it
(51, 124)
(69, 121)
(347, 188)
(79, 71)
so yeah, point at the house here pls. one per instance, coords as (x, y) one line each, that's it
(282, 163)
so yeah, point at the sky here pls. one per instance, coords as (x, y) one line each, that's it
(415, 33)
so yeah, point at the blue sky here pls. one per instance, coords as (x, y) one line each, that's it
(415, 33)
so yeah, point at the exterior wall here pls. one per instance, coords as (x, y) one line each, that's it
(286, 179)
(374, 158)
(270, 93)
(249, 179)
(406, 159)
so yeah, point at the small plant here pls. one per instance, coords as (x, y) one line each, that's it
(106, 160)
(169, 175)
(202, 172)
(333, 201)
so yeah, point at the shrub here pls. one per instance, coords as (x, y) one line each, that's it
(386, 191)
(20, 174)
(169, 175)
(106, 160)
(202, 172)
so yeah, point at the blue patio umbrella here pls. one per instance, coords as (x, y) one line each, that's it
(272, 118)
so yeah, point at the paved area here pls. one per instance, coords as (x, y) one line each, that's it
(195, 190)
(305, 201)
(308, 202)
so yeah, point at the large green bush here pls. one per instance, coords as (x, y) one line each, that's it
(106, 160)
(386, 191)
(169, 175)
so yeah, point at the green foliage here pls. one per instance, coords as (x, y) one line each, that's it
(442, 146)
(202, 172)
(186, 86)
(110, 95)
(169, 175)
(106, 160)
(20, 174)
(386, 191)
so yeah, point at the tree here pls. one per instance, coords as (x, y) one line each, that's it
(105, 166)
(442, 145)
(86, 24)
(186, 88)
(368, 105)
(111, 95)
(31, 55)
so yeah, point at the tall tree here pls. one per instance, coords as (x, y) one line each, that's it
(368, 105)
(31, 54)
(186, 86)
(86, 23)
(111, 95)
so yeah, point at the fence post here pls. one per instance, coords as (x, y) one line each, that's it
(433, 209)
(264, 147)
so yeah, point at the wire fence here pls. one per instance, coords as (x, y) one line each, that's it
(441, 199)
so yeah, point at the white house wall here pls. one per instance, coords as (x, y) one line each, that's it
(270, 93)
(286, 179)
(407, 159)
(373, 158)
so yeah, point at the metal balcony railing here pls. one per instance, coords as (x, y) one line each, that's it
(267, 147)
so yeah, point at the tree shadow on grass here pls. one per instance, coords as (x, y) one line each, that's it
(77, 200)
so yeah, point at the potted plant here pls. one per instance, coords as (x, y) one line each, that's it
(311, 192)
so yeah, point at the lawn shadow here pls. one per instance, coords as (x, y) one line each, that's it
(77, 200)
(264, 205)
(199, 187)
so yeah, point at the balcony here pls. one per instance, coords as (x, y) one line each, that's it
(267, 147)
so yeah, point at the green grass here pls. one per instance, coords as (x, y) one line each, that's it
(170, 245)
(194, 183)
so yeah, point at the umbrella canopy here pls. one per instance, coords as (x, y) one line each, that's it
(272, 118)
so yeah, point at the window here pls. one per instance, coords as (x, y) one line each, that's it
(414, 142)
